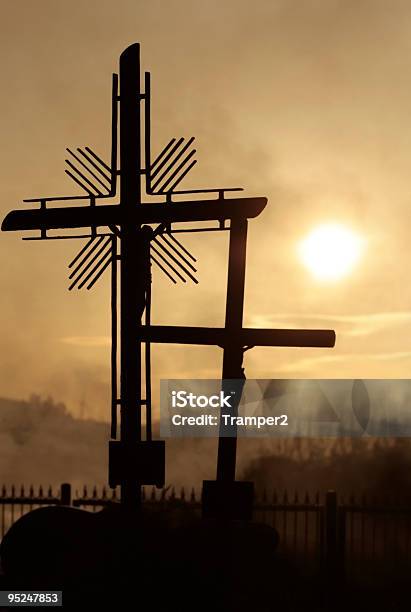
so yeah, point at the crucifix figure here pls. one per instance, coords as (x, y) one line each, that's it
(129, 237)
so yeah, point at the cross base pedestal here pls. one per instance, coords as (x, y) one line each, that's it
(142, 462)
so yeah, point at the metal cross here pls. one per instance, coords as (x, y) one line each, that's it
(146, 233)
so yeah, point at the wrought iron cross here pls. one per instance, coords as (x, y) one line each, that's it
(130, 236)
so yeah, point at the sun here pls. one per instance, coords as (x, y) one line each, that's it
(331, 251)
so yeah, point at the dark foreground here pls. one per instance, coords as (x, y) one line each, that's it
(171, 561)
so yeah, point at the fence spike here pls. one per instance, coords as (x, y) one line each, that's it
(193, 496)
(4, 491)
(31, 491)
(173, 494)
(104, 493)
(182, 494)
(40, 491)
(84, 491)
(94, 492)
(22, 491)
(50, 491)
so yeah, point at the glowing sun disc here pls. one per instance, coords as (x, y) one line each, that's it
(330, 251)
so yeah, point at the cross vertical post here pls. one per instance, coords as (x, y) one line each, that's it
(233, 351)
(130, 263)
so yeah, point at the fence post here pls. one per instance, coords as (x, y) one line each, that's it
(342, 521)
(331, 538)
(334, 546)
(65, 494)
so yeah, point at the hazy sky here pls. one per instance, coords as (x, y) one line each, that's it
(307, 103)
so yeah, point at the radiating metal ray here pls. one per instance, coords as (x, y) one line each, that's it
(180, 178)
(178, 169)
(183, 257)
(93, 163)
(186, 251)
(163, 269)
(101, 161)
(182, 247)
(165, 260)
(97, 243)
(166, 158)
(173, 162)
(176, 261)
(80, 253)
(93, 174)
(162, 188)
(99, 273)
(76, 180)
(83, 177)
(162, 153)
(98, 264)
(100, 256)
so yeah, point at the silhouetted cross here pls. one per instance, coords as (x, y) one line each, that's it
(133, 461)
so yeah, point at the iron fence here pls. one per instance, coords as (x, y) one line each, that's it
(348, 540)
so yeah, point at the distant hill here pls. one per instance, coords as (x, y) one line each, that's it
(40, 442)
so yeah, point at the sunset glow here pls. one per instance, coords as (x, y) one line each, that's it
(331, 251)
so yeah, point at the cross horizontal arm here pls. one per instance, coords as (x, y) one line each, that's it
(105, 215)
(322, 338)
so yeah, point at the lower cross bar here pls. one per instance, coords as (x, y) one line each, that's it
(246, 337)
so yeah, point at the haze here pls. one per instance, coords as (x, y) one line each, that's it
(306, 103)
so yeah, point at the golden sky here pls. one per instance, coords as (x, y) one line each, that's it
(307, 103)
